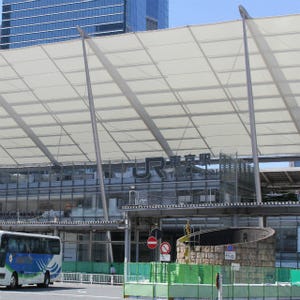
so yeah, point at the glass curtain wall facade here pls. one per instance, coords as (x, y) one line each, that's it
(26, 23)
(73, 191)
(71, 194)
(237, 180)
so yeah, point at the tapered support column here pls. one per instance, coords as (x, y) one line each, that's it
(245, 16)
(96, 141)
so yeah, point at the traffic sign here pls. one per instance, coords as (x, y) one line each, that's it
(230, 248)
(165, 248)
(230, 255)
(165, 257)
(152, 242)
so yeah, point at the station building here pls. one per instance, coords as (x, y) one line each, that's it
(174, 142)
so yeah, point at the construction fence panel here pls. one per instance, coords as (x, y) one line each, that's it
(188, 281)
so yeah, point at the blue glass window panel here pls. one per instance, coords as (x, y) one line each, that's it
(31, 22)
(50, 25)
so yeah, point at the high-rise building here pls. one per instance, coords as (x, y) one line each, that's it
(26, 23)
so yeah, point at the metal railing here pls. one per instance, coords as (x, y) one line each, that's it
(92, 278)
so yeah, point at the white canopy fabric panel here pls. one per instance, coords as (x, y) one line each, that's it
(161, 93)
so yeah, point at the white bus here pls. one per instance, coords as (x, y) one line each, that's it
(29, 259)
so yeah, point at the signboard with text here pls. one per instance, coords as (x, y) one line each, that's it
(165, 257)
(230, 255)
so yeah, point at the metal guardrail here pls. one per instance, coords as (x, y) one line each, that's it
(88, 278)
(212, 205)
(289, 208)
(60, 225)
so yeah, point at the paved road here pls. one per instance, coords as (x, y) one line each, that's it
(62, 291)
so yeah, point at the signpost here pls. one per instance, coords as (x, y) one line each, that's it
(219, 285)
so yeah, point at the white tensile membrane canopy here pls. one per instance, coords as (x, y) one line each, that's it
(170, 92)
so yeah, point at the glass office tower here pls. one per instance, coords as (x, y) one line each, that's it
(26, 23)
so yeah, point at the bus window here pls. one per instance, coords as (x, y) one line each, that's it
(54, 246)
(12, 245)
(3, 245)
(35, 246)
(24, 245)
(3, 248)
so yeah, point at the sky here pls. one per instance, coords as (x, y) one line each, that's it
(190, 12)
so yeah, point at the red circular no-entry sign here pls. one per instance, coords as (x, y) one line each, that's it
(152, 242)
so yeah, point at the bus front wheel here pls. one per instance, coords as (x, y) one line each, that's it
(46, 282)
(13, 281)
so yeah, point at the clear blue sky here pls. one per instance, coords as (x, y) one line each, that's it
(189, 12)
